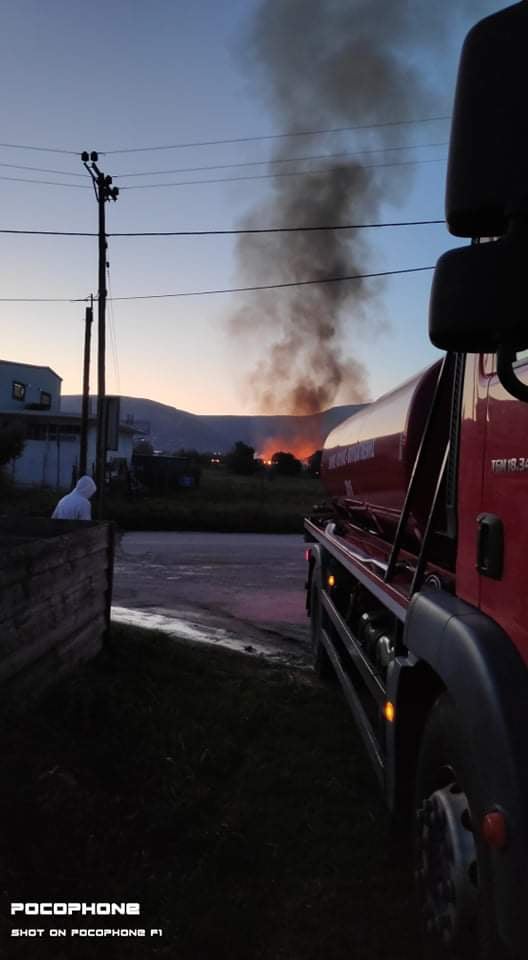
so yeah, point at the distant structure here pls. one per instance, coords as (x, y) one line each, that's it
(30, 395)
(142, 426)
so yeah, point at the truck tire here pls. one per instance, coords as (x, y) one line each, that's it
(321, 661)
(450, 866)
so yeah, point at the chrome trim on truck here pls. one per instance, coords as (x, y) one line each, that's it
(356, 563)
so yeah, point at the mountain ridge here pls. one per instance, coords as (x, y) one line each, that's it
(171, 428)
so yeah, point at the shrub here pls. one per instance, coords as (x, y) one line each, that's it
(12, 439)
(241, 459)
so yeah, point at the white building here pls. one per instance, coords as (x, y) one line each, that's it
(30, 396)
(24, 386)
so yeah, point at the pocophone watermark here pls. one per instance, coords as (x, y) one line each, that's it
(93, 909)
(75, 910)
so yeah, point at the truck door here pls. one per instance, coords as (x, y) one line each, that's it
(505, 496)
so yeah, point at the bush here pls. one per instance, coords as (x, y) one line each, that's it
(241, 459)
(12, 439)
(314, 463)
(286, 465)
(144, 448)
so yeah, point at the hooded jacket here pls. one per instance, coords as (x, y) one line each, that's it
(76, 505)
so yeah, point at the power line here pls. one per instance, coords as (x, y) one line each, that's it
(226, 166)
(255, 163)
(277, 286)
(46, 299)
(262, 176)
(49, 233)
(205, 293)
(272, 176)
(50, 183)
(207, 143)
(276, 136)
(257, 230)
(20, 146)
(59, 173)
(220, 233)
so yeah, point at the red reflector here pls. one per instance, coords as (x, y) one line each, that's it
(307, 554)
(494, 829)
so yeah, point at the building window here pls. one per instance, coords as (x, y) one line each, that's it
(45, 399)
(19, 390)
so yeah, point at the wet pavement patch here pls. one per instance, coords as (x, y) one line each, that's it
(200, 626)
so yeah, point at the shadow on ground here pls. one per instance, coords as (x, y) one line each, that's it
(229, 796)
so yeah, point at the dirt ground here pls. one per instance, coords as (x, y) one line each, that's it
(229, 797)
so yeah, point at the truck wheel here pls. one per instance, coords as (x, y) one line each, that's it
(321, 661)
(449, 868)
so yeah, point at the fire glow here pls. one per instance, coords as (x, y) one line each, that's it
(301, 449)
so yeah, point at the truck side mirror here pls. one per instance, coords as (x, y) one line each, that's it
(486, 178)
(479, 298)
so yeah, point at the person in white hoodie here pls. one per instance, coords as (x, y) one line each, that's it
(76, 505)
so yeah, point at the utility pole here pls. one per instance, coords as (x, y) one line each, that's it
(86, 389)
(103, 192)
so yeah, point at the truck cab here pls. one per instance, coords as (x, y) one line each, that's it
(416, 579)
(493, 476)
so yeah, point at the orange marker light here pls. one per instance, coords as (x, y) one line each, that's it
(389, 711)
(331, 580)
(494, 829)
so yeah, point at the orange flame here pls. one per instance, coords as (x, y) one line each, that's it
(302, 449)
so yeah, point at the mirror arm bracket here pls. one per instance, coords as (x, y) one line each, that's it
(506, 357)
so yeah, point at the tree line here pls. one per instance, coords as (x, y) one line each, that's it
(241, 459)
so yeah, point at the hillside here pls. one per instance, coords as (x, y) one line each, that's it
(170, 429)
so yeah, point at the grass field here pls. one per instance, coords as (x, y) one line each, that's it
(223, 502)
(231, 798)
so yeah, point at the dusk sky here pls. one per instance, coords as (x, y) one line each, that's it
(119, 74)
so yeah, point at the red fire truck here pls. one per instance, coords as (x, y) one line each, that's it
(417, 589)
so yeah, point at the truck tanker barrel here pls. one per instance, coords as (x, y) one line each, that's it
(367, 461)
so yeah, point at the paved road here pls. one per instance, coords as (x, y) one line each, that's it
(245, 590)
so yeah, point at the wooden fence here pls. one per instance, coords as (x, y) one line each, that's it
(55, 596)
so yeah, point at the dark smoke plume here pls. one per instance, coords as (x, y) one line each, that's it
(327, 64)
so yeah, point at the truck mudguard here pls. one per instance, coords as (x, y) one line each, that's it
(485, 676)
